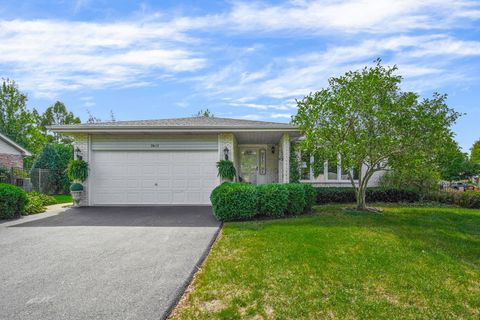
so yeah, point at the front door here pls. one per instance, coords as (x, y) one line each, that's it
(249, 165)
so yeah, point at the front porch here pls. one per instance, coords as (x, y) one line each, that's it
(259, 157)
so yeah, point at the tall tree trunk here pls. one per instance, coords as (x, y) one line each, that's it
(361, 204)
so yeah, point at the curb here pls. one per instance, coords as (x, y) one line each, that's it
(179, 293)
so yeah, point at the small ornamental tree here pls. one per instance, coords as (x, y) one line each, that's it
(364, 120)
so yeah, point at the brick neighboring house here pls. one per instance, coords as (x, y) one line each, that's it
(11, 154)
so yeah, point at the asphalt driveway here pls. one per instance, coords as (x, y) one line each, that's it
(100, 263)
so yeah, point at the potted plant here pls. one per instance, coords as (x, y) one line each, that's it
(77, 171)
(226, 170)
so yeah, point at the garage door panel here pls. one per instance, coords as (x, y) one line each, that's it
(153, 177)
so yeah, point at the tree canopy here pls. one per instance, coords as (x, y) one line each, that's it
(27, 127)
(204, 113)
(16, 122)
(366, 122)
(57, 114)
(475, 152)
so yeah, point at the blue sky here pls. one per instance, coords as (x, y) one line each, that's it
(242, 59)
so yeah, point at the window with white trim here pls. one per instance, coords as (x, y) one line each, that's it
(332, 170)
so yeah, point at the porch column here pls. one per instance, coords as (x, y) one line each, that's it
(285, 171)
(82, 142)
(229, 141)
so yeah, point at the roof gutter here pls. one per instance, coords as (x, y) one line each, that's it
(143, 129)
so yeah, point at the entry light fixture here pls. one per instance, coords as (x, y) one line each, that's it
(273, 149)
(225, 152)
(78, 153)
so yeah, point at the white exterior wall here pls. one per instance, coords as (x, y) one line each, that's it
(284, 159)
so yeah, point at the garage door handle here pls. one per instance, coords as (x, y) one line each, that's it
(156, 184)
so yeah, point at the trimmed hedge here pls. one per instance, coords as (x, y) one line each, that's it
(346, 195)
(296, 198)
(234, 201)
(12, 201)
(310, 197)
(466, 199)
(272, 199)
(241, 201)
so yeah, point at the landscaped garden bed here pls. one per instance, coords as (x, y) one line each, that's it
(406, 262)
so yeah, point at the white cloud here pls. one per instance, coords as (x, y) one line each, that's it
(352, 16)
(51, 56)
(424, 61)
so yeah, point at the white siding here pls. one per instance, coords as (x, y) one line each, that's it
(8, 148)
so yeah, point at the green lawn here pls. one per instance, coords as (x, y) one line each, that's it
(403, 263)
(63, 198)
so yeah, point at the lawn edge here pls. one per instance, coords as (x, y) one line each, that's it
(183, 292)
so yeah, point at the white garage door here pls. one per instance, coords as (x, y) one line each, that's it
(152, 177)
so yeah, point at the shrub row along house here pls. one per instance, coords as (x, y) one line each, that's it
(173, 161)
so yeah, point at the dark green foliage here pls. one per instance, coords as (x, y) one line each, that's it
(76, 187)
(272, 199)
(468, 199)
(226, 170)
(441, 196)
(294, 164)
(346, 195)
(55, 158)
(296, 198)
(335, 195)
(12, 201)
(392, 195)
(77, 170)
(234, 201)
(310, 197)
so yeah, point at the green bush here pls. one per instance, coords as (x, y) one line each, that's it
(35, 204)
(335, 195)
(468, 199)
(55, 158)
(272, 199)
(234, 201)
(45, 199)
(76, 187)
(12, 201)
(391, 195)
(310, 197)
(346, 195)
(296, 198)
(441, 196)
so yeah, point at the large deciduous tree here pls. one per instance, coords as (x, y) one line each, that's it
(57, 114)
(16, 121)
(364, 120)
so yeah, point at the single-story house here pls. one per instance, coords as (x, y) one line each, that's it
(173, 161)
(11, 153)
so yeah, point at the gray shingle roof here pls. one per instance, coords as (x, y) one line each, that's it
(179, 123)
